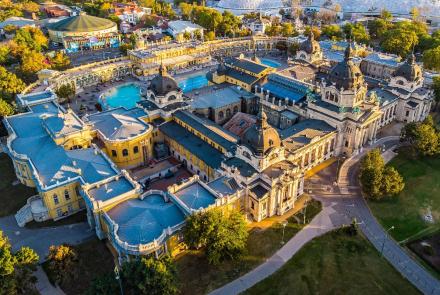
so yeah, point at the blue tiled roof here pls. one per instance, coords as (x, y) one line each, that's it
(52, 163)
(195, 196)
(201, 149)
(191, 120)
(111, 189)
(142, 221)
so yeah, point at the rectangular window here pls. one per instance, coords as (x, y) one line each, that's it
(55, 200)
(59, 212)
(70, 208)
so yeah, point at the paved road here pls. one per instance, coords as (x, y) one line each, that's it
(41, 239)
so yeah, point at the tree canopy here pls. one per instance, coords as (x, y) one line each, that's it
(10, 84)
(61, 262)
(423, 137)
(223, 235)
(150, 276)
(16, 269)
(377, 180)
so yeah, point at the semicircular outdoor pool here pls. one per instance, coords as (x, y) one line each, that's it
(270, 63)
(126, 96)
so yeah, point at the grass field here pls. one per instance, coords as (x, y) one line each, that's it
(422, 190)
(94, 260)
(197, 276)
(335, 264)
(12, 197)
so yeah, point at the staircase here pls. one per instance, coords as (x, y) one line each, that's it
(24, 215)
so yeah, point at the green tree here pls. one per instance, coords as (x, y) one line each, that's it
(357, 32)
(378, 27)
(316, 32)
(436, 88)
(209, 36)
(222, 234)
(66, 91)
(392, 182)
(5, 52)
(31, 63)
(333, 32)
(5, 109)
(431, 59)
(104, 285)
(371, 169)
(386, 15)
(288, 30)
(423, 137)
(10, 84)
(150, 276)
(62, 263)
(60, 61)
(399, 41)
(16, 270)
(31, 38)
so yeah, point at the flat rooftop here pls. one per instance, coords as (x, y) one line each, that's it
(195, 196)
(111, 189)
(217, 97)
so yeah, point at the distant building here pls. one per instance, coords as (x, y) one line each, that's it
(17, 22)
(179, 28)
(84, 32)
(130, 12)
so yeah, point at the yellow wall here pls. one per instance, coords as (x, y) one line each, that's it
(63, 203)
(23, 172)
(115, 151)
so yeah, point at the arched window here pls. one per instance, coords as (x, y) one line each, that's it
(114, 153)
(66, 195)
(172, 97)
(125, 152)
(221, 115)
(228, 113)
(136, 149)
(235, 109)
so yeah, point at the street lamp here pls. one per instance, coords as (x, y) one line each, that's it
(284, 224)
(384, 239)
(118, 277)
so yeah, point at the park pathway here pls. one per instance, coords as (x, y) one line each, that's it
(42, 238)
(340, 206)
(327, 220)
(396, 255)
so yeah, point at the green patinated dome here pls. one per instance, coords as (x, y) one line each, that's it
(82, 23)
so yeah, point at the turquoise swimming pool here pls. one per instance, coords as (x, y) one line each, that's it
(270, 63)
(193, 83)
(121, 96)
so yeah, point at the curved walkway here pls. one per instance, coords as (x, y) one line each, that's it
(396, 255)
(340, 207)
(42, 238)
(327, 220)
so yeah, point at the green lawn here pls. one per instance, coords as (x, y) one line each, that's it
(94, 260)
(197, 276)
(335, 264)
(422, 189)
(12, 197)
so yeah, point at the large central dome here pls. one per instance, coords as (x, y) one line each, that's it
(245, 6)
